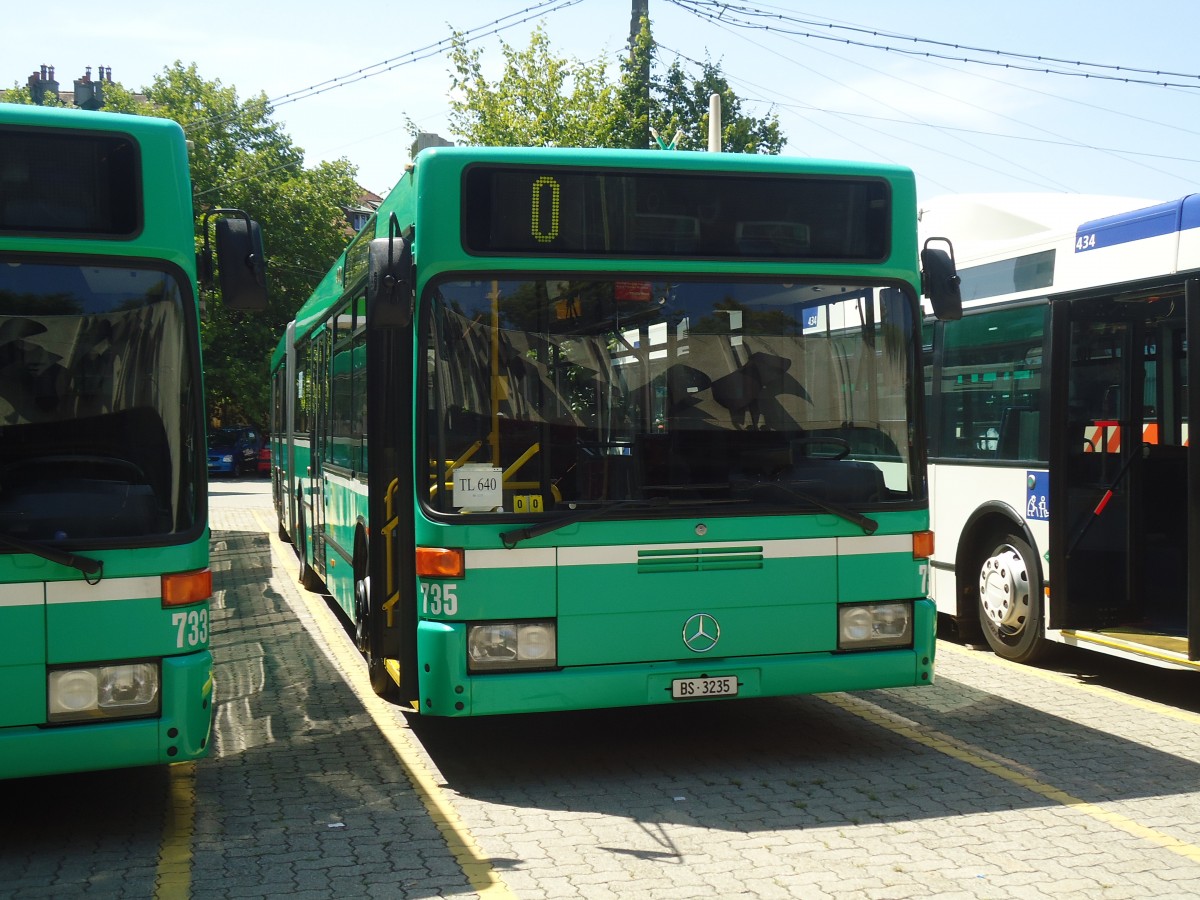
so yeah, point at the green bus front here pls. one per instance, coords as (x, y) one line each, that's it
(104, 580)
(661, 442)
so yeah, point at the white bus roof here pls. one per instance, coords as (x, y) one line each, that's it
(1082, 240)
(971, 218)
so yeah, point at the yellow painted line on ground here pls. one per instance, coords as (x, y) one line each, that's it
(467, 853)
(1161, 709)
(173, 877)
(961, 751)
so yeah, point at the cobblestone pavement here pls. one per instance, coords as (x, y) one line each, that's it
(997, 782)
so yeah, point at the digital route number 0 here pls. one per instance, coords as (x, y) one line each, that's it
(546, 190)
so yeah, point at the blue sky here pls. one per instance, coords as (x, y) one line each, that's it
(963, 128)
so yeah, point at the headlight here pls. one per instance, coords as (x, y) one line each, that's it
(871, 625)
(102, 692)
(493, 646)
(228, 457)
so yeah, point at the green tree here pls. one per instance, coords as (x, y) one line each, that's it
(545, 100)
(540, 99)
(634, 92)
(241, 159)
(21, 95)
(683, 106)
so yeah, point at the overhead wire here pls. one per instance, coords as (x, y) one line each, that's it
(470, 35)
(1042, 183)
(418, 54)
(697, 8)
(730, 24)
(872, 149)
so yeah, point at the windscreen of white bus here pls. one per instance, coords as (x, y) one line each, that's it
(99, 404)
(751, 397)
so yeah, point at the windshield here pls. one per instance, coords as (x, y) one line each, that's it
(546, 396)
(99, 404)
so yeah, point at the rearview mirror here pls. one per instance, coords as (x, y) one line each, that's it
(241, 264)
(940, 281)
(389, 292)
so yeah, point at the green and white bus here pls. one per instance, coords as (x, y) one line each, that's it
(569, 429)
(104, 578)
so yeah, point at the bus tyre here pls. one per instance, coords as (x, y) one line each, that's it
(308, 578)
(366, 633)
(1009, 592)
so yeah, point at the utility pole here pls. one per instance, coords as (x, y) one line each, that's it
(641, 8)
(640, 11)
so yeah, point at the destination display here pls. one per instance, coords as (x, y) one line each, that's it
(554, 211)
(69, 182)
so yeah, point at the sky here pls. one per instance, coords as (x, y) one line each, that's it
(871, 80)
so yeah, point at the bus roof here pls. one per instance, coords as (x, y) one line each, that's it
(62, 117)
(1146, 222)
(1062, 242)
(972, 219)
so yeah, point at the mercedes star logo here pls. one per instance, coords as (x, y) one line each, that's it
(701, 633)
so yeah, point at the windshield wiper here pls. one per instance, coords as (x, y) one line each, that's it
(88, 566)
(869, 526)
(510, 539)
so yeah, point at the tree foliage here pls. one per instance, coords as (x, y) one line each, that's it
(241, 159)
(683, 105)
(634, 92)
(541, 99)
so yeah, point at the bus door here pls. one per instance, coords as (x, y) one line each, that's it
(1189, 407)
(320, 362)
(1122, 560)
(391, 597)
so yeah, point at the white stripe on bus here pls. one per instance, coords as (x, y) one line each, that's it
(797, 548)
(517, 558)
(140, 588)
(884, 543)
(21, 594)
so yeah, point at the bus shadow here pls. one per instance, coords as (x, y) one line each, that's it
(297, 765)
(1172, 687)
(800, 762)
(290, 726)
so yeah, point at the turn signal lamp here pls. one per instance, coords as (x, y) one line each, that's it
(441, 562)
(922, 544)
(182, 588)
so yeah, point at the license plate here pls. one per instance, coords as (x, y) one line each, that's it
(689, 688)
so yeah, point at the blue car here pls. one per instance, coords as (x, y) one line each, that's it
(233, 450)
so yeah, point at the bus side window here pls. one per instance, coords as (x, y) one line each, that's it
(991, 365)
(1018, 433)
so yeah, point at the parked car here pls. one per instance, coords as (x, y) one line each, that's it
(264, 459)
(233, 450)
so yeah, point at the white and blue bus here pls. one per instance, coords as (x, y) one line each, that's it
(1063, 488)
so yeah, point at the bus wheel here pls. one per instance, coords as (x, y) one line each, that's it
(308, 578)
(366, 631)
(1010, 601)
